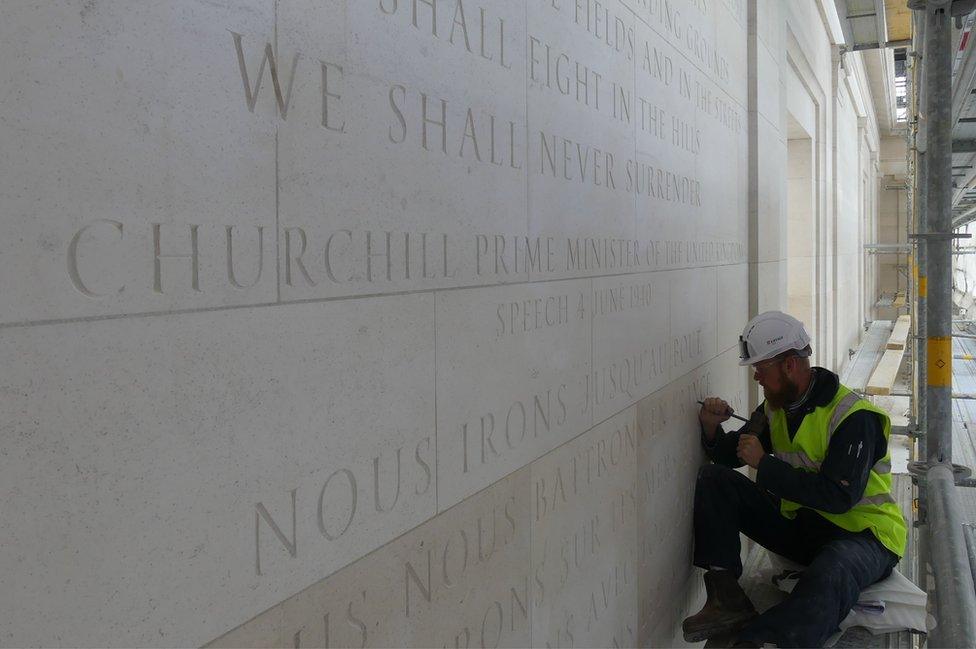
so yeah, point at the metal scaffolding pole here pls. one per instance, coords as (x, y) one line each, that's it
(938, 95)
(921, 310)
(921, 198)
(955, 594)
(950, 562)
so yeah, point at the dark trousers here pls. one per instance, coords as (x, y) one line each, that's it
(839, 564)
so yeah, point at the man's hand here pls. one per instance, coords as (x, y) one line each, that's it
(713, 412)
(750, 450)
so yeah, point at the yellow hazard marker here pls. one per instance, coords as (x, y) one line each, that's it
(940, 361)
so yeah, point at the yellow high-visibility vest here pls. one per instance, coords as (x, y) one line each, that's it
(877, 509)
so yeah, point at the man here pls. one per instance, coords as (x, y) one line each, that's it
(822, 495)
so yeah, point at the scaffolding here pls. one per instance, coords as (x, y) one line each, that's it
(944, 547)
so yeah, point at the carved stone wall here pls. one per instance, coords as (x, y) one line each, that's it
(363, 322)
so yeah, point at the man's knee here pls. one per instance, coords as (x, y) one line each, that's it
(721, 486)
(853, 563)
(716, 483)
(714, 474)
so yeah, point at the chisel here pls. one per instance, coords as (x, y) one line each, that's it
(729, 413)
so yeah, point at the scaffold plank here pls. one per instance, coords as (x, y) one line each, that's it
(883, 378)
(857, 372)
(899, 335)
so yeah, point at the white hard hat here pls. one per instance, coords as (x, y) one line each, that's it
(769, 334)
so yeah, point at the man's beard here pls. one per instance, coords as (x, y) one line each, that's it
(787, 394)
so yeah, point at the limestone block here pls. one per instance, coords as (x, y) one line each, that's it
(460, 579)
(512, 366)
(730, 380)
(693, 29)
(731, 31)
(771, 215)
(584, 539)
(402, 167)
(733, 305)
(632, 346)
(669, 188)
(686, 191)
(725, 196)
(770, 278)
(581, 121)
(293, 293)
(141, 180)
(669, 453)
(167, 478)
(694, 305)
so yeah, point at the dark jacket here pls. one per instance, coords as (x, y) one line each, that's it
(857, 444)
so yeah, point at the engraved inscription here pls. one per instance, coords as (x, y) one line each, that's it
(627, 375)
(624, 297)
(599, 19)
(331, 80)
(669, 129)
(414, 156)
(251, 93)
(663, 184)
(525, 316)
(669, 73)
(717, 107)
(388, 479)
(579, 163)
(569, 77)
(667, 16)
(182, 261)
(432, 124)
(457, 581)
(584, 516)
(231, 274)
(589, 253)
(179, 255)
(345, 256)
(184, 256)
(461, 23)
(572, 161)
(503, 431)
(669, 455)
(687, 347)
(581, 474)
(451, 557)
(193, 255)
(74, 273)
(502, 255)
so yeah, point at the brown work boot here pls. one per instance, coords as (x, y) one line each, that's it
(727, 608)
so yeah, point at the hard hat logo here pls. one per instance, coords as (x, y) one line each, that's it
(770, 334)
